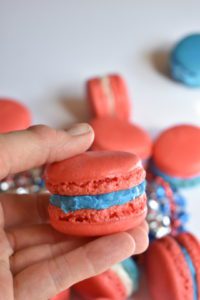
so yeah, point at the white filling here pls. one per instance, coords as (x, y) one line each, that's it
(126, 280)
(109, 94)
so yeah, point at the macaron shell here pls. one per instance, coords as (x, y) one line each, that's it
(113, 134)
(108, 96)
(167, 272)
(106, 285)
(122, 100)
(176, 151)
(97, 98)
(94, 172)
(188, 241)
(98, 223)
(185, 60)
(65, 295)
(13, 116)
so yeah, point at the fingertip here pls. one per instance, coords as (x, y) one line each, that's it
(141, 237)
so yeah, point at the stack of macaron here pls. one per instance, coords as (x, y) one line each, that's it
(172, 267)
(119, 282)
(110, 105)
(16, 116)
(96, 193)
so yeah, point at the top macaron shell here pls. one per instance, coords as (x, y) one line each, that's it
(94, 172)
(108, 96)
(13, 115)
(185, 60)
(114, 134)
(176, 151)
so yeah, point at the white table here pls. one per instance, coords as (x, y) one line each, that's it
(49, 48)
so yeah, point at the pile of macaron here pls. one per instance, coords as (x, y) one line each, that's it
(124, 178)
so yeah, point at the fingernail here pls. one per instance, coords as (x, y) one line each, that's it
(79, 129)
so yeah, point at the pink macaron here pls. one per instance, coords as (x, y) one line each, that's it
(13, 115)
(96, 193)
(108, 96)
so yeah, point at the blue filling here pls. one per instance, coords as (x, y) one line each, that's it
(97, 202)
(132, 270)
(185, 61)
(176, 181)
(192, 271)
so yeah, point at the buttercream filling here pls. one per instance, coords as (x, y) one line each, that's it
(97, 202)
(175, 180)
(128, 274)
(192, 271)
(109, 94)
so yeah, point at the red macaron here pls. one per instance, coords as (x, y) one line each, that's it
(108, 96)
(173, 268)
(119, 282)
(65, 295)
(106, 285)
(176, 155)
(114, 134)
(13, 115)
(96, 193)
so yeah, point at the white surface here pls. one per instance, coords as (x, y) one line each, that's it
(49, 48)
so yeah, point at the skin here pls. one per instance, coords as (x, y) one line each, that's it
(36, 262)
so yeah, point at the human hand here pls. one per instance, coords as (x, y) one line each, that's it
(36, 262)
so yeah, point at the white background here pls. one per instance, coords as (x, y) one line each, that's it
(49, 48)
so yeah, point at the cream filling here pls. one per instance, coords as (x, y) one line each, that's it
(126, 280)
(105, 82)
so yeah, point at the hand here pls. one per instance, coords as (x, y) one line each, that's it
(36, 262)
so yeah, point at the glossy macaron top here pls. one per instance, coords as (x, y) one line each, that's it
(13, 115)
(94, 172)
(186, 53)
(176, 151)
(114, 134)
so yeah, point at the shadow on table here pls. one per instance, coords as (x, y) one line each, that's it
(78, 108)
(159, 59)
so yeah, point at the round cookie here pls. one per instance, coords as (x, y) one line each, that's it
(176, 155)
(185, 60)
(114, 134)
(13, 116)
(119, 282)
(108, 96)
(172, 268)
(65, 295)
(96, 193)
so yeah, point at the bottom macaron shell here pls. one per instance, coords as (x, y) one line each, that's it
(167, 273)
(99, 222)
(62, 296)
(107, 285)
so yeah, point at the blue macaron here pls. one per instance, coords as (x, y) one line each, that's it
(185, 60)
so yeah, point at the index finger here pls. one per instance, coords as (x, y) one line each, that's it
(23, 150)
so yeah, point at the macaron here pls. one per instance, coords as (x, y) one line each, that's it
(185, 60)
(65, 295)
(96, 193)
(13, 115)
(108, 96)
(176, 155)
(167, 209)
(119, 282)
(172, 267)
(114, 134)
